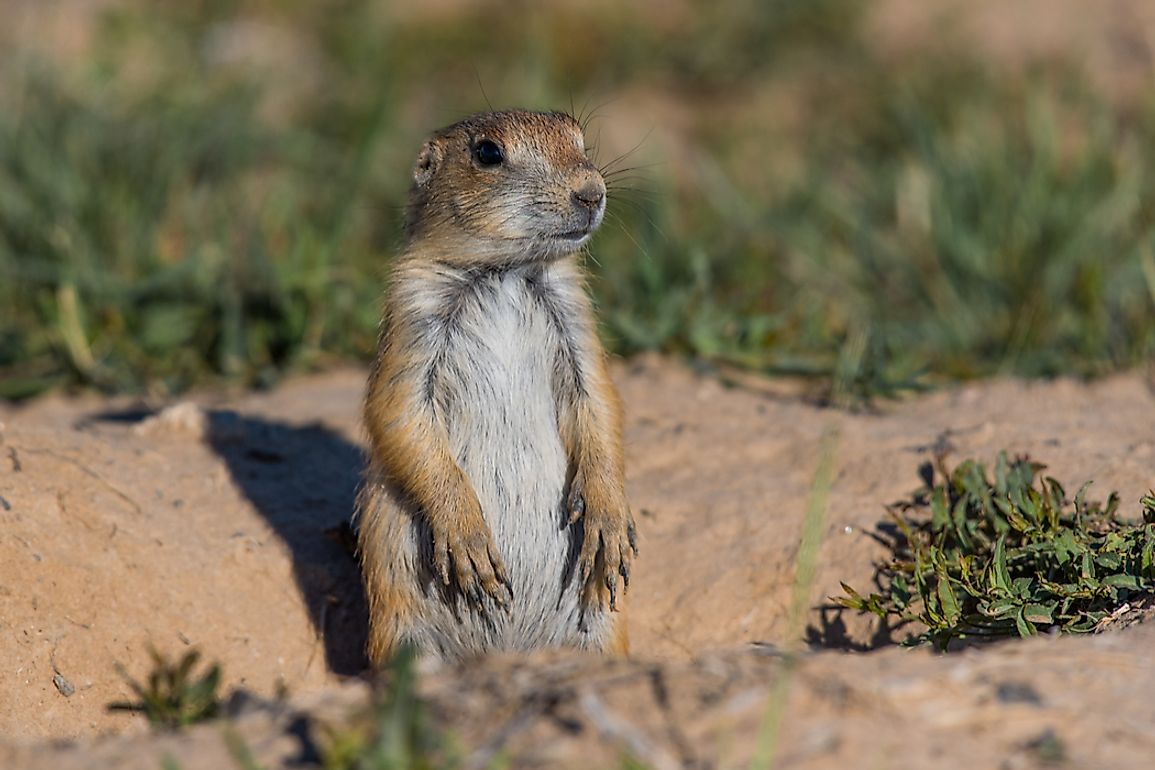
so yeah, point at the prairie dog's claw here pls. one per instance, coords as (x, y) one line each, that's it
(478, 570)
(441, 560)
(609, 544)
(577, 507)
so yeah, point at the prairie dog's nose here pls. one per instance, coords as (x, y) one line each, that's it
(590, 194)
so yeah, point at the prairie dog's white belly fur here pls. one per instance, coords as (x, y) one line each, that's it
(492, 385)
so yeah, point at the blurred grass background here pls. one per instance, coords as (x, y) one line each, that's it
(212, 189)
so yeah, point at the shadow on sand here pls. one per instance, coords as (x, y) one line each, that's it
(831, 632)
(303, 480)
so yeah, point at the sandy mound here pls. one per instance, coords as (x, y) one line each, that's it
(217, 524)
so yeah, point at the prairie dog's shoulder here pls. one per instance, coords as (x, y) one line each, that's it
(427, 287)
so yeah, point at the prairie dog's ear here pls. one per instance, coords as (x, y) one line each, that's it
(428, 161)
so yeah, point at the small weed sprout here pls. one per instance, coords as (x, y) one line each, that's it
(173, 697)
(1012, 557)
(394, 733)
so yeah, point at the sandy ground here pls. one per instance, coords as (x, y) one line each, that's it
(217, 526)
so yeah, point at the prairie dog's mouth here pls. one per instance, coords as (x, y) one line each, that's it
(581, 233)
(559, 244)
(574, 235)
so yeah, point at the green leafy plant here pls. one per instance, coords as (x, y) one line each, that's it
(174, 696)
(976, 558)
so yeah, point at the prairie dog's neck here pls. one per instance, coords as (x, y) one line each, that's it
(441, 266)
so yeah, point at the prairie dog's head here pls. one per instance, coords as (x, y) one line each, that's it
(506, 188)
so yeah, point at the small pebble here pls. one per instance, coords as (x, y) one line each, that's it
(63, 685)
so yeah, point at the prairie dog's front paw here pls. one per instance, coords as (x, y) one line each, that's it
(464, 554)
(609, 533)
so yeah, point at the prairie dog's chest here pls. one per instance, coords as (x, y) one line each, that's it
(496, 389)
(503, 320)
(501, 355)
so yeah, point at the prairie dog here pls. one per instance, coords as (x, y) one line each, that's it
(493, 515)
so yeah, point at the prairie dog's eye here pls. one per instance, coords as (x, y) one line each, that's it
(488, 153)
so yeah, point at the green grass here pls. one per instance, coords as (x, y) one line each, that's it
(396, 732)
(170, 214)
(975, 558)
